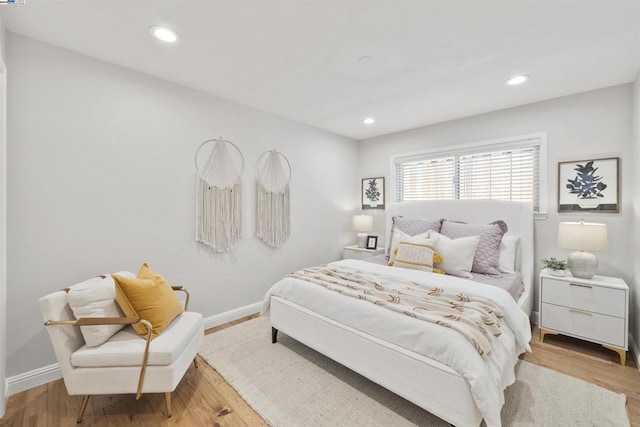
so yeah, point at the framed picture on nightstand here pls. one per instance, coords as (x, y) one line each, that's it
(372, 242)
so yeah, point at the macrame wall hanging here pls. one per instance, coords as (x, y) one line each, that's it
(273, 214)
(219, 196)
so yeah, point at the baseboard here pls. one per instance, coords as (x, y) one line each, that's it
(40, 376)
(5, 398)
(231, 315)
(635, 351)
(535, 317)
(31, 379)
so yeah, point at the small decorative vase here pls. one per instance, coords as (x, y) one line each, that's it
(373, 204)
(589, 203)
(559, 273)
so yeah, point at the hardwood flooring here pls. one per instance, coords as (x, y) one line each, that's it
(203, 398)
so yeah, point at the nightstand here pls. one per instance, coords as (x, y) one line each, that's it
(354, 252)
(595, 310)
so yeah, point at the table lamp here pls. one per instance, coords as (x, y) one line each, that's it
(362, 224)
(583, 237)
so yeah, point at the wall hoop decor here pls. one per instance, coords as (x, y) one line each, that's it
(219, 196)
(273, 218)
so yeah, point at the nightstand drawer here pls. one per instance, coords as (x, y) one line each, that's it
(593, 298)
(584, 324)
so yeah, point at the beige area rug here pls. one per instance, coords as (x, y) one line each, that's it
(289, 384)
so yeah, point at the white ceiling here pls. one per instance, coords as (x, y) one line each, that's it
(432, 61)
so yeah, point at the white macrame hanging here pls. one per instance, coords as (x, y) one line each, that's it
(219, 198)
(273, 220)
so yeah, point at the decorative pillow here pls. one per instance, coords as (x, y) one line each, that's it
(417, 256)
(508, 250)
(399, 236)
(457, 254)
(96, 297)
(487, 257)
(411, 227)
(148, 297)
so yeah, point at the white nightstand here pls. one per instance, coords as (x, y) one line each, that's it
(595, 310)
(354, 252)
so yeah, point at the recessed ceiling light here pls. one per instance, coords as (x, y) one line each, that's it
(368, 121)
(517, 80)
(164, 34)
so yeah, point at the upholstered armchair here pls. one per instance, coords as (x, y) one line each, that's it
(128, 361)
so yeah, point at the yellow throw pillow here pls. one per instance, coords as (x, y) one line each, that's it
(417, 256)
(148, 297)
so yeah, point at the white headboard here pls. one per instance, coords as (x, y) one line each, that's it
(517, 215)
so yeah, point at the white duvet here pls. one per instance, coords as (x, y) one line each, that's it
(487, 378)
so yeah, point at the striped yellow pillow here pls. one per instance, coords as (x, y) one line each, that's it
(418, 256)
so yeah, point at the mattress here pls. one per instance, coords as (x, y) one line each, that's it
(511, 283)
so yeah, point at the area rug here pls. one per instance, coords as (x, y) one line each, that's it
(289, 384)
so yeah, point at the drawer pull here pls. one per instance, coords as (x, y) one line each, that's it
(580, 285)
(586, 313)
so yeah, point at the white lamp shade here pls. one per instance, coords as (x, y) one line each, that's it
(362, 223)
(582, 236)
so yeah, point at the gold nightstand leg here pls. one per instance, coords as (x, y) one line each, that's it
(621, 351)
(544, 332)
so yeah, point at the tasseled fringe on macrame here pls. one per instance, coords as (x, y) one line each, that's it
(218, 215)
(273, 217)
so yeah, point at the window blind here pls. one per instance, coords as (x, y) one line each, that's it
(505, 172)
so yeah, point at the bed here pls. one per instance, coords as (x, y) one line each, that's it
(357, 336)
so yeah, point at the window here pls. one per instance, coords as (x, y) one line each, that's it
(506, 169)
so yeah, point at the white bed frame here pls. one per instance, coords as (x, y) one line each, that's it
(429, 384)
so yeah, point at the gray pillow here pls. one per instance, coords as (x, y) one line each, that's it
(412, 227)
(486, 260)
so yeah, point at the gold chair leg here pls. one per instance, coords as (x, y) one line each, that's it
(195, 362)
(167, 398)
(83, 406)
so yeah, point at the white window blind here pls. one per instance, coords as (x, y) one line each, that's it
(505, 171)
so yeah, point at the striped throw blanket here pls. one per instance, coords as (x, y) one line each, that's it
(475, 318)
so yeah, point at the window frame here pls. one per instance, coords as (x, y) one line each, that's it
(498, 144)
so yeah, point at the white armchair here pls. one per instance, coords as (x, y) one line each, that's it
(125, 363)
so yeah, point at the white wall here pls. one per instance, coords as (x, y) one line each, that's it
(589, 125)
(102, 178)
(3, 222)
(635, 249)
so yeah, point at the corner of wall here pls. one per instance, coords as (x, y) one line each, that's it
(3, 218)
(635, 277)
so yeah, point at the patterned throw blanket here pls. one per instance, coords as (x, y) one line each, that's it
(475, 318)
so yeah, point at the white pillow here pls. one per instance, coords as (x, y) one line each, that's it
(508, 249)
(399, 236)
(457, 254)
(96, 298)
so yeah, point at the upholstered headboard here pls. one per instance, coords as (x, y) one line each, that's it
(517, 215)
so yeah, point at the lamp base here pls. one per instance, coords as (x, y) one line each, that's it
(361, 240)
(582, 264)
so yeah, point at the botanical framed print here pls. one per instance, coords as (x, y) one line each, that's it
(589, 185)
(372, 242)
(372, 192)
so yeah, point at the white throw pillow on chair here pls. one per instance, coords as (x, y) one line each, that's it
(96, 298)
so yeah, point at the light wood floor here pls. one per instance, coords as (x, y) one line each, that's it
(203, 398)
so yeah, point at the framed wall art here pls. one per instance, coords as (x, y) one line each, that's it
(372, 192)
(589, 185)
